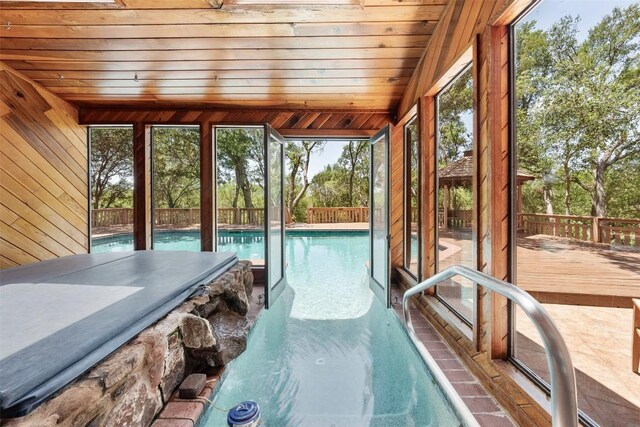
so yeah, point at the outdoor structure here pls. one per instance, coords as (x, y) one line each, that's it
(460, 174)
(329, 69)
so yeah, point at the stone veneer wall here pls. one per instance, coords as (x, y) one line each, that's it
(131, 386)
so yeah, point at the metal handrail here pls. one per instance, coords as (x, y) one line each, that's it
(564, 398)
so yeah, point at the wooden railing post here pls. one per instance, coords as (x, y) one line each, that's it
(595, 229)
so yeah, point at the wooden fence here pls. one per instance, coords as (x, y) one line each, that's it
(179, 217)
(241, 216)
(337, 215)
(612, 231)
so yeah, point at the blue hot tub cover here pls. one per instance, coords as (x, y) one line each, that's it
(59, 318)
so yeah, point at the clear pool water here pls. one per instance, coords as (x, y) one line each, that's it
(248, 244)
(328, 353)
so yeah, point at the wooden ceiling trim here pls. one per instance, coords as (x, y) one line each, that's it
(215, 30)
(124, 17)
(306, 119)
(320, 120)
(229, 83)
(350, 73)
(111, 44)
(203, 55)
(145, 66)
(132, 4)
(274, 104)
(290, 91)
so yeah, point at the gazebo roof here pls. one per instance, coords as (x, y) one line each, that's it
(460, 172)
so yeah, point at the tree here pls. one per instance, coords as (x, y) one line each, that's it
(111, 165)
(352, 156)
(236, 148)
(577, 104)
(328, 187)
(176, 167)
(298, 155)
(454, 106)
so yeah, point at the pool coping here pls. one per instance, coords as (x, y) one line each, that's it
(482, 405)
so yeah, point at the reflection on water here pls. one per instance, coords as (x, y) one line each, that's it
(329, 354)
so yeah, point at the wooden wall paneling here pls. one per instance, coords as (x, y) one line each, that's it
(291, 123)
(43, 174)
(207, 188)
(456, 29)
(142, 225)
(428, 167)
(397, 196)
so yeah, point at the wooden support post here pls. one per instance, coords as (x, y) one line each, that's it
(207, 188)
(142, 226)
(445, 204)
(429, 201)
(595, 230)
(492, 173)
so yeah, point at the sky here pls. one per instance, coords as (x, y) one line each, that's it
(590, 11)
(328, 156)
(546, 13)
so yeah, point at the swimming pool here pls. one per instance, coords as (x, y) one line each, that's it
(328, 353)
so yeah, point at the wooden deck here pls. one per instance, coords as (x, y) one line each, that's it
(563, 271)
(558, 270)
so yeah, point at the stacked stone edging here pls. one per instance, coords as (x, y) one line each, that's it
(132, 385)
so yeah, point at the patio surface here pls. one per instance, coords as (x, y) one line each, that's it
(587, 290)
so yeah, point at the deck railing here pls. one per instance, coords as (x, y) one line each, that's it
(337, 215)
(456, 218)
(111, 217)
(176, 216)
(613, 231)
(241, 216)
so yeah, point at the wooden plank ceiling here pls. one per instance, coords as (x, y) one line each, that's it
(352, 54)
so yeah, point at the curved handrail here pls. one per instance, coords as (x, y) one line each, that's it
(564, 399)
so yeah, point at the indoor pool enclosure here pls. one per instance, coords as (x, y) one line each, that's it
(337, 213)
(329, 352)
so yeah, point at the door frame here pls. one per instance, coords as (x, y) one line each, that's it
(273, 290)
(381, 290)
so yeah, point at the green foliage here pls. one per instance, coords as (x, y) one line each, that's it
(578, 114)
(298, 155)
(176, 167)
(455, 104)
(240, 161)
(345, 183)
(111, 167)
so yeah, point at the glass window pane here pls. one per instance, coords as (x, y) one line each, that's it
(411, 183)
(275, 210)
(111, 188)
(455, 190)
(578, 168)
(378, 214)
(176, 188)
(240, 191)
